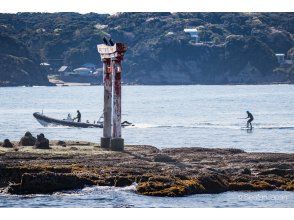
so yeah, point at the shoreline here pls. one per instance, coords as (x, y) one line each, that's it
(167, 172)
(70, 84)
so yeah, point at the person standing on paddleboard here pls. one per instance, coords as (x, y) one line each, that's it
(251, 118)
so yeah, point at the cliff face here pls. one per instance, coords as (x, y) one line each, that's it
(17, 66)
(238, 47)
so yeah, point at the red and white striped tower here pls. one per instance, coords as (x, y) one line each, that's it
(112, 57)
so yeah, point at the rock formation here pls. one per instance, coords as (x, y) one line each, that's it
(42, 142)
(61, 143)
(27, 140)
(6, 143)
(168, 172)
(47, 182)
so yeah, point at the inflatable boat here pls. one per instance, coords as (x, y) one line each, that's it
(48, 121)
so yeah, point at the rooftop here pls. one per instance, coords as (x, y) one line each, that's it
(63, 68)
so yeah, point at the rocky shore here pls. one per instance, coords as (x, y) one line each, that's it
(70, 165)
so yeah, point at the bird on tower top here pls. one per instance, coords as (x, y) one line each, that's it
(111, 42)
(105, 41)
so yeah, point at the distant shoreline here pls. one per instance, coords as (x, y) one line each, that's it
(66, 84)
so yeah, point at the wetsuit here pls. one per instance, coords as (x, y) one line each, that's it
(251, 118)
(79, 117)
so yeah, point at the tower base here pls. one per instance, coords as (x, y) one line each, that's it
(117, 144)
(105, 142)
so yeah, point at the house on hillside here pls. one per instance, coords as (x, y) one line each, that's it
(282, 59)
(193, 33)
(44, 64)
(64, 71)
(86, 70)
(90, 66)
(82, 71)
(98, 72)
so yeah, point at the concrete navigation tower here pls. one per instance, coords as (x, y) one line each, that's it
(112, 56)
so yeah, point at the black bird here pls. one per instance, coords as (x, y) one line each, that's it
(111, 42)
(105, 41)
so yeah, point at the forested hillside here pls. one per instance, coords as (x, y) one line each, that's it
(237, 47)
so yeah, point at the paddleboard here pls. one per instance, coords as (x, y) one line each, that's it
(245, 128)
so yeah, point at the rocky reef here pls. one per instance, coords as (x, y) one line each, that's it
(69, 165)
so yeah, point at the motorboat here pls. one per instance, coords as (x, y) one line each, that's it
(49, 121)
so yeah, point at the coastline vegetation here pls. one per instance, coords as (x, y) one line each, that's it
(236, 48)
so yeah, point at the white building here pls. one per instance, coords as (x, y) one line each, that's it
(90, 66)
(280, 57)
(62, 69)
(193, 32)
(82, 71)
(44, 64)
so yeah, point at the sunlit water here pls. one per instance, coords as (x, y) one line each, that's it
(164, 116)
(127, 197)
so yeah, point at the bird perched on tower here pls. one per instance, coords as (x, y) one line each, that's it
(111, 42)
(105, 41)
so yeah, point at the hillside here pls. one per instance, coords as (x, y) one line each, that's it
(18, 66)
(237, 48)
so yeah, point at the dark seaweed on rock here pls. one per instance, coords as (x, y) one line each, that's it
(169, 172)
(47, 182)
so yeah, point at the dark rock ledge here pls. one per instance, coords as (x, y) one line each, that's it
(168, 172)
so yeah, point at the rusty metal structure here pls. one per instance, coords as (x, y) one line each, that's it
(112, 56)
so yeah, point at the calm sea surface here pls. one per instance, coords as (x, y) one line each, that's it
(164, 116)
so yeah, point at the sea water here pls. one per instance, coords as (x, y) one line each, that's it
(166, 117)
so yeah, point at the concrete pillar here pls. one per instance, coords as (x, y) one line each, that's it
(117, 143)
(107, 111)
(112, 57)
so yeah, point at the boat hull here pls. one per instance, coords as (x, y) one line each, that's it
(47, 121)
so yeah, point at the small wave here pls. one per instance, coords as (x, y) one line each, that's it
(55, 127)
(93, 189)
(207, 125)
(172, 126)
(279, 128)
(25, 196)
(144, 126)
(131, 188)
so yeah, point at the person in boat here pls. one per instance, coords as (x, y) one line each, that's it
(78, 116)
(250, 119)
(69, 117)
